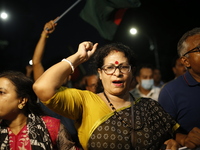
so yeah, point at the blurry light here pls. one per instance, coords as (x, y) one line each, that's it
(133, 31)
(30, 62)
(4, 15)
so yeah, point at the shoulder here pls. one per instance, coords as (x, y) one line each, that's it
(173, 84)
(46, 118)
(73, 95)
(176, 81)
(135, 92)
(156, 89)
(145, 101)
(53, 126)
(49, 121)
(148, 105)
(169, 84)
(74, 92)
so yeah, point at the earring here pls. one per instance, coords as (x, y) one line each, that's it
(20, 106)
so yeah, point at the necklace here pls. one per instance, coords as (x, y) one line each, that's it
(116, 113)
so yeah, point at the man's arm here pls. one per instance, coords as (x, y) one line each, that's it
(191, 140)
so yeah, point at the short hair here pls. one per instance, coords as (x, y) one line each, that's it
(23, 86)
(182, 45)
(101, 53)
(144, 65)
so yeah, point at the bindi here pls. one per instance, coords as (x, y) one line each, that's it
(116, 51)
(116, 62)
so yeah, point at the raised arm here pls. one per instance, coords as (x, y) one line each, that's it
(38, 68)
(47, 84)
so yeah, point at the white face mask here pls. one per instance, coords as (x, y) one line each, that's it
(147, 83)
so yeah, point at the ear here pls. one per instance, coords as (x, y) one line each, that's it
(185, 61)
(23, 101)
(99, 72)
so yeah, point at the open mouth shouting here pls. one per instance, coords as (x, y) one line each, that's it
(118, 83)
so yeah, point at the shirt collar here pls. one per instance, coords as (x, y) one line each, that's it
(189, 79)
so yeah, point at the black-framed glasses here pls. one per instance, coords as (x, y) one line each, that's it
(110, 69)
(196, 49)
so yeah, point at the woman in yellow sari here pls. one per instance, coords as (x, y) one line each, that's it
(112, 119)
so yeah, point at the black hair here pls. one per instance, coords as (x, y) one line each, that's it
(143, 65)
(101, 53)
(23, 86)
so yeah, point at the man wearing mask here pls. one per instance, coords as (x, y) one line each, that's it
(145, 86)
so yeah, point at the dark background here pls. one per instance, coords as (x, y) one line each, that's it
(161, 21)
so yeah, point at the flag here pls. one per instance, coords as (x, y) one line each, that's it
(106, 15)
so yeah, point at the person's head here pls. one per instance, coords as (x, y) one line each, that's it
(189, 51)
(178, 67)
(115, 63)
(16, 95)
(144, 76)
(157, 77)
(91, 82)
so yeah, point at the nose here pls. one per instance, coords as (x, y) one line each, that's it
(117, 72)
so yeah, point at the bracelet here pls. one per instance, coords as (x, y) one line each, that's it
(45, 36)
(70, 63)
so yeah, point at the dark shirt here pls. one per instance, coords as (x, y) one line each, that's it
(181, 99)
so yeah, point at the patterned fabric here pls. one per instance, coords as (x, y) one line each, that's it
(152, 126)
(112, 134)
(37, 131)
(20, 141)
(53, 126)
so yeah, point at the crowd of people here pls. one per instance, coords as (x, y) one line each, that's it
(120, 105)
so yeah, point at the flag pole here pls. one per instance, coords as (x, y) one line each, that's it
(66, 11)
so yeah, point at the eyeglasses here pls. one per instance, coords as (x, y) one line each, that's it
(110, 69)
(196, 49)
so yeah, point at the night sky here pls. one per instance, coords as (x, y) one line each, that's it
(161, 21)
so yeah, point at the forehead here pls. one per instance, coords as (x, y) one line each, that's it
(193, 41)
(92, 79)
(114, 56)
(146, 71)
(156, 71)
(6, 84)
